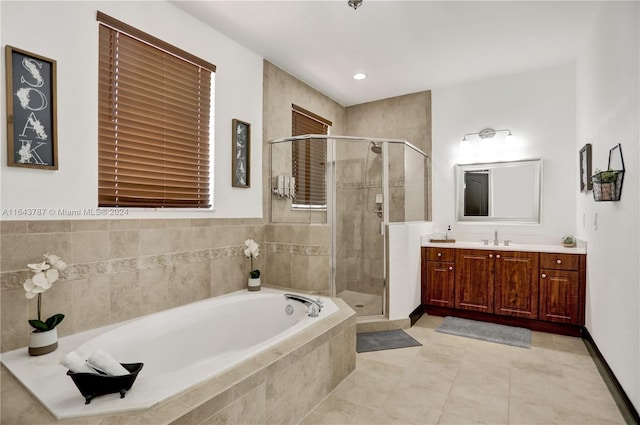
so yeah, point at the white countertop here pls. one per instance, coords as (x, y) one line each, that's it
(557, 249)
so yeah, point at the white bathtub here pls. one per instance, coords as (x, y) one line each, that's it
(180, 348)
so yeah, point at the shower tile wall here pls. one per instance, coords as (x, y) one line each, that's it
(298, 256)
(405, 117)
(120, 269)
(360, 255)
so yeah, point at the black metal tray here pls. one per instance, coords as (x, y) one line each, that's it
(92, 385)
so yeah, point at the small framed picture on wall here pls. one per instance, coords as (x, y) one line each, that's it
(585, 168)
(241, 154)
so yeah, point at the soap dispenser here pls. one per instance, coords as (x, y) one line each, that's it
(448, 233)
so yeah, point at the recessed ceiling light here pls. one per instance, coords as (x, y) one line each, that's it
(359, 76)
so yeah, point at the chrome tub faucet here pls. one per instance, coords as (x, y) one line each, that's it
(313, 307)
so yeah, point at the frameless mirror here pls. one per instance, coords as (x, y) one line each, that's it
(499, 191)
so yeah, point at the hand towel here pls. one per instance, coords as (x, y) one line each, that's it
(74, 363)
(102, 361)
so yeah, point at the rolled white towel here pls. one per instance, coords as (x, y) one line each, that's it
(74, 363)
(102, 361)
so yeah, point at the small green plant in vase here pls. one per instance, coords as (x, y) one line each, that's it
(251, 252)
(44, 338)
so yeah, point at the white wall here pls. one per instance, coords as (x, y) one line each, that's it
(539, 107)
(404, 267)
(608, 112)
(68, 33)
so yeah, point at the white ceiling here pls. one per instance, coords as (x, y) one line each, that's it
(402, 46)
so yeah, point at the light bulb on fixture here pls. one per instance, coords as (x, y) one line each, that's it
(359, 76)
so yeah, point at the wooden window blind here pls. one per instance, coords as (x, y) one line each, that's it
(153, 121)
(309, 159)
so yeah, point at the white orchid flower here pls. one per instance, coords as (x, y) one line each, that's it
(45, 274)
(40, 279)
(56, 262)
(32, 289)
(39, 267)
(252, 248)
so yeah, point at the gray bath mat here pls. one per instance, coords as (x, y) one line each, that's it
(384, 340)
(509, 335)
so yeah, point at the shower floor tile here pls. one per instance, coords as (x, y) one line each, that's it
(362, 304)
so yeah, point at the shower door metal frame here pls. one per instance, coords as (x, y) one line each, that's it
(332, 212)
(330, 175)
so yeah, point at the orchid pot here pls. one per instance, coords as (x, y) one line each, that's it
(43, 342)
(253, 284)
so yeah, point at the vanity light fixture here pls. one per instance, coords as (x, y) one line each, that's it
(355, 3)
(488, 133)
(359, 76)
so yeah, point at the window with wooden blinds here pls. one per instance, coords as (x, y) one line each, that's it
(309, 159)
(154, 104)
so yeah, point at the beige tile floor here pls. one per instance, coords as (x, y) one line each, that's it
(457, 380)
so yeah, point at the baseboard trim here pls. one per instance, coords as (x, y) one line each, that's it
(416, 314)
(627, 409)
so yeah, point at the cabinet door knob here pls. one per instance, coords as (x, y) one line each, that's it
(450, 267)
(544, 276)
(439, 254)
(558, 261)
(490, 255)
(498, 256)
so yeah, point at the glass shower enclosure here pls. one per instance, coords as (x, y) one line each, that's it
(368, 184)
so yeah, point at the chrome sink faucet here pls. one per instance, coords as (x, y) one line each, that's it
(314, 307)
(495, 238)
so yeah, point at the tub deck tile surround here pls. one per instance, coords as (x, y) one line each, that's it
(280, 385)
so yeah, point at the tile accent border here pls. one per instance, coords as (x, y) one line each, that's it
(365, 185)
(295, 249)
(15, 279)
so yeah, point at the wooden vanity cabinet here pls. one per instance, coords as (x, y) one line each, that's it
(439, 272)
(501, 282)
(537, 290)
(516, 284)
(560, 295)
(474, 280)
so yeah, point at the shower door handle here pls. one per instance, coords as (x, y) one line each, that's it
(381, 228)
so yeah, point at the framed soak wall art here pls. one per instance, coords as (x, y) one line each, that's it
(241, 154)
(31, 110)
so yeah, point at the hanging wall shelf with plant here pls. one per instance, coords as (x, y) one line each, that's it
(607, 185)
